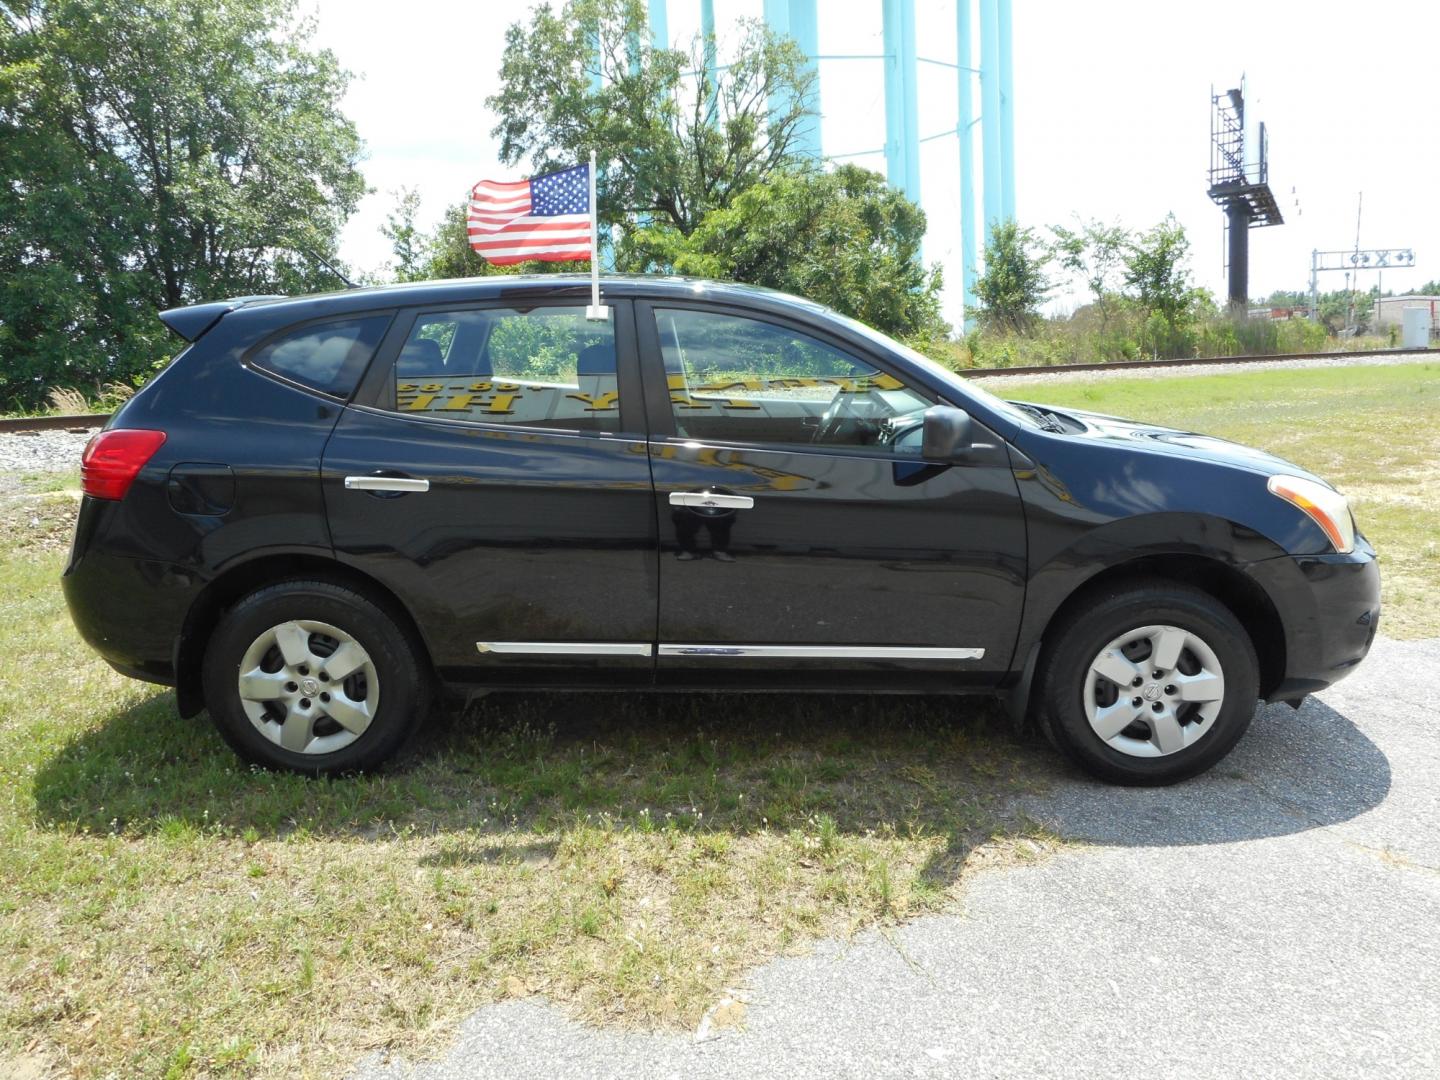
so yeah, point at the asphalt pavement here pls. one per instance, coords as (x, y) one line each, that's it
(1279, 917)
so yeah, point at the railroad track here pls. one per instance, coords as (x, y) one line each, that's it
(95, 420)
(1203, 361)
(52, 423)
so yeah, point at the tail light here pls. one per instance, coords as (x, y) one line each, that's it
(114, 458)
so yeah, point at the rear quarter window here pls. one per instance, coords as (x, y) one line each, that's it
(327, 356)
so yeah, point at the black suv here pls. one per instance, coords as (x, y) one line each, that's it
(328, 508)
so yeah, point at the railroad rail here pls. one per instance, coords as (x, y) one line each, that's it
(95, 420)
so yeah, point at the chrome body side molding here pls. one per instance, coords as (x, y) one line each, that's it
(567, 648)
(824, 652)
(774, 652)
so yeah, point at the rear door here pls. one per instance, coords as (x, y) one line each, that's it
(803, 540)
(492, 473)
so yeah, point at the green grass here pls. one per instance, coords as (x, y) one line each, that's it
(1373, 432)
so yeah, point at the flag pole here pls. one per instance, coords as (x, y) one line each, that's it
(595, 311)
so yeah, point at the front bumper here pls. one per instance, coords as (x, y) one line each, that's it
(1330, 608)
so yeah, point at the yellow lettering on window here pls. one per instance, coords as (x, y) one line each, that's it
(414, 403)
(458, 403)
(501, 403)
(598, 402)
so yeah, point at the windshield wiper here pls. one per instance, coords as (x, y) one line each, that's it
(1048, 420)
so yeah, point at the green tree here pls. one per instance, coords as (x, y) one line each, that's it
(1014, 283)
(157, 152)
(1156, 267)
(1285, 298)
(845, 239)
(407, 242)
(1095, 253)
(674, 142)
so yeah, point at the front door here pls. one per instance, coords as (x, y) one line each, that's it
(493, 476)
(802, 539)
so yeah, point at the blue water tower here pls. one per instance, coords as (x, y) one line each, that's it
(982, 67)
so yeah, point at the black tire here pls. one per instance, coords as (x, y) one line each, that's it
(399, 669)
(1108, 614)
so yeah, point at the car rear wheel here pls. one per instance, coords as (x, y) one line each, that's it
(313, 677)
(1148, 683)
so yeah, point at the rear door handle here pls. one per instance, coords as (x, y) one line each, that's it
(386, 483)
(709, 500)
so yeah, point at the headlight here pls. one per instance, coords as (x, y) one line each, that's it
(1323, 505)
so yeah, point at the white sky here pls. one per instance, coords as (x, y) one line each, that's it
(1111, 116)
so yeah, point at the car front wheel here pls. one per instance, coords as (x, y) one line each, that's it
(313, 677)
(1148, 683)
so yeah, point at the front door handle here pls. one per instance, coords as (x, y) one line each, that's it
(386, 483)
(709, 500)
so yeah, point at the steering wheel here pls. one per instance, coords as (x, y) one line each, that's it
(835, 414)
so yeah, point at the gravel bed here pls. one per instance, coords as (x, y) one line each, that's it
(996, 382)
(42, 451)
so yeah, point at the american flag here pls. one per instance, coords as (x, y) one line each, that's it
(546, 217)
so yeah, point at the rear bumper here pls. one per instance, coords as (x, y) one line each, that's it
(1330, 607)
(130, 611)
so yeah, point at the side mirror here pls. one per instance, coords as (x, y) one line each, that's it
(945, 434)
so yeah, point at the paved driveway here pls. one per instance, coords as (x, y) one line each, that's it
(1277, 918)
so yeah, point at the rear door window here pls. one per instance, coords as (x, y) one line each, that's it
(545, 367)
(328, 356)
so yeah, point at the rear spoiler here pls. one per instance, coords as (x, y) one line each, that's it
(193, 321)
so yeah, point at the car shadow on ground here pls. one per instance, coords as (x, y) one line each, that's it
(736, 763)
(1294, 770)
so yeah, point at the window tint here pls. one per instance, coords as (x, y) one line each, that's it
(546, 367)
(734, 379)
(328, 356)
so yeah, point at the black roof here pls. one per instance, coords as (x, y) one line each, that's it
(192, 321)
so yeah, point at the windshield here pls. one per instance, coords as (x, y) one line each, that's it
(962, 386)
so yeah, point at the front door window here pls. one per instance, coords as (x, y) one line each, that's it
(738, 380)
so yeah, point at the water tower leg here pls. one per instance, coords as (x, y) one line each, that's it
(902, 113)
(805, 29)
(707, 33)
(969, 249)
(659, 25)
(1007, 117)
(798, 19)
(990, 113)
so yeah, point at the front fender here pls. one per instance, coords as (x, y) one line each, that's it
(1092, 507)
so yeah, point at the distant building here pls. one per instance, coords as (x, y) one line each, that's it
(1387, 311)
(1279, 314)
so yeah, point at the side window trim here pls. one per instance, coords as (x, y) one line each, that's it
(377, 391)
(249, 363)
(657, 387)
